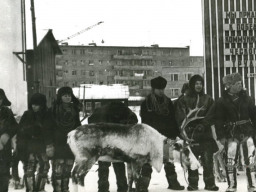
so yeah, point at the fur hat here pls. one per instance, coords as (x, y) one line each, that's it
(38, 99)
(158, 83)
(66, 90)
(231, 79)
(194, 79)
(5, 102)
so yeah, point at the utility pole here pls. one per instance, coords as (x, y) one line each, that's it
(35, 76)
(32, 8)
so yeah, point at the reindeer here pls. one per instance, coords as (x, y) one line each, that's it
(192, 116)
(136, 145)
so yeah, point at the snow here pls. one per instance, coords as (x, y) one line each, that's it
(158, 181)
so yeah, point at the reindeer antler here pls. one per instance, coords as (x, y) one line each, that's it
(191, 116)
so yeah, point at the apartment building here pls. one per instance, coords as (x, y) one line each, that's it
(132, 66)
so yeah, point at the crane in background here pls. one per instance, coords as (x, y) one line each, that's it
(82, 31)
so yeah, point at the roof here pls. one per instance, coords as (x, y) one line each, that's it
(49, 36)
(115, 91)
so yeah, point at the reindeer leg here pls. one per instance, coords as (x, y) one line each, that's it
(130, 177)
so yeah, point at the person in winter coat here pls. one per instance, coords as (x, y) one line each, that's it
(202, 137)
(114, 112)
(65, 114)
(31, 146)
(234, 116)
(8, 128)
(157, 110)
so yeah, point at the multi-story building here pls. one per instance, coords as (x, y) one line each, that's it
(132, 66)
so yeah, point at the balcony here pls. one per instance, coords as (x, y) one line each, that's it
(133, 57)
(58, 67)
(58, 78)
(134, 67)
(117, 77)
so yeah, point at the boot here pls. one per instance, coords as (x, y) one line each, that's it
(142, 184)
(40, 183)
(30, 184)
(210, 184)
(65, 184)
(193, 178)
(4, 183)
(121, 179)
(171, 177)
(251, 180)
(231, 177)
(56, 184)
(103, 172)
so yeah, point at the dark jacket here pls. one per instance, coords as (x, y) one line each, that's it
(32, 132)
(115, 112)
(225, 111)
(189, 102)
(8, 125)
(64, 122)
(164, 124)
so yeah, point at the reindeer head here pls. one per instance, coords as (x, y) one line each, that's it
(181, 152)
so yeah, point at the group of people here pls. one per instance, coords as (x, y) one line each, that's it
(42, 135)
(232, 117)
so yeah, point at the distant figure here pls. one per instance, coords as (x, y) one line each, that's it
(8, 128)
(114, 112)
(158, 111)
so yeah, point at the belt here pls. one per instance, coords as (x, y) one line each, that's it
(241, 122)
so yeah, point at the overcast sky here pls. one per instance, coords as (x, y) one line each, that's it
(169, 23)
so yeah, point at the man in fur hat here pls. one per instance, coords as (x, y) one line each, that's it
(8, 128)
(205, 145)
(158, 111)
(234, 116)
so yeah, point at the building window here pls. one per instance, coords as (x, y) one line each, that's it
(100, 62)
(82, 51)
(119, 52)
(97, 105)
(91, 62)
(174, 92)
(73, 72)
(174, 77)
(88, 106)
(91, 73)
(73, 51)
(188, 76)
(83, 72)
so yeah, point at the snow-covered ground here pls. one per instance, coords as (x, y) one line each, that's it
(158, 182)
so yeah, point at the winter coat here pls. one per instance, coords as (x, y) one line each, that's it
(114, 112)
(32, 133)
(189, 102)
(164, 124)
(59, 131)
(9, 126)
(225, 111)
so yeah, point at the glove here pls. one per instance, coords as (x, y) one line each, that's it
(4, 138)
(50, 150)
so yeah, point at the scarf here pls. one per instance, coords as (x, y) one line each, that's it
(65, 115)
